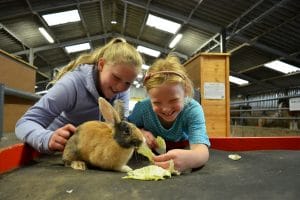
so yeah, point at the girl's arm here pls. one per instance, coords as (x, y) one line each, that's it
(32, 126)
(184, 159)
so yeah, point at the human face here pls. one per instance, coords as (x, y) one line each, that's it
(115, 78)
(167, 101)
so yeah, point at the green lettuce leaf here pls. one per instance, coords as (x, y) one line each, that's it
(151, 172)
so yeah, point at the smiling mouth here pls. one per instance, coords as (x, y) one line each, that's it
(168, 115)
(113, 91)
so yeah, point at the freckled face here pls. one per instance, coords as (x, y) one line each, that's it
(167, 101)
(115, 78)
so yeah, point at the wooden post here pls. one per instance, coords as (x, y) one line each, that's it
(210, 75)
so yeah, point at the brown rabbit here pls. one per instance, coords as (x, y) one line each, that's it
(107, 145)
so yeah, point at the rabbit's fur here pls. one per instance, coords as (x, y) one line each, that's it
(107, 145)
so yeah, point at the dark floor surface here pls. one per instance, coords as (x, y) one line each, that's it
(258, 175)
(8, 139)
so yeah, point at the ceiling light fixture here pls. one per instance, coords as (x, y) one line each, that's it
(175, 41)
(139, 76)
(148, 51)
(162, 24)
(113, 22)
(145, 67)
(62, 17)
(238, 81)
(42, 92)
(78, 47)
(114, 8)
(282, 67)
(46, 35)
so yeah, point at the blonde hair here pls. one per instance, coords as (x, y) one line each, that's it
(168, 70)
(117, 51)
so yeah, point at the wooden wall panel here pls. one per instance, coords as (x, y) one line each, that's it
(212, 68)
(16, 73)
(193, 70)
(19, 75)
(14, 108)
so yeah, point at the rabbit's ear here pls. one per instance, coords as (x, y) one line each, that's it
(119, 108)
(108, 112)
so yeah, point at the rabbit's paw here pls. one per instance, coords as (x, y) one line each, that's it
(125, 168)
(78, 165)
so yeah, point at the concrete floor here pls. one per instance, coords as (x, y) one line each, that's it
(8, 139)
(258, 175)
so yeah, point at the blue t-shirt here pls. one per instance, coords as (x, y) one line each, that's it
(189, 124)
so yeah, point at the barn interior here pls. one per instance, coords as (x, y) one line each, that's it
(255, 34)
(242, 56)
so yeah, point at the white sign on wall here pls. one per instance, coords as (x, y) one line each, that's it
(214, 90)
(294, 104)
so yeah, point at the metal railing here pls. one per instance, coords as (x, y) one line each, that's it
(12, 92)
(262, 99)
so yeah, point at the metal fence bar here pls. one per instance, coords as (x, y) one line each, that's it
(12, 92)
(260, 109)
(264, 117)
(21, 94)
(1, 108)
(258, 100)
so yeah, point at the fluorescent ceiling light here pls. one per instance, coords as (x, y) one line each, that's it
(46, 35)
(139, 76)
(62, 17)
(238, 81)
(132, 104)
(282, 67)
(148, 51)
(175, 41)
(145, 67)
(162, 24)
(113, 22)
(42, 92)
(78, 47)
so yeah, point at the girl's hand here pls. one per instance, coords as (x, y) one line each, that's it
(184, 159)
(150, 139)
(180, 158)
(59, 138)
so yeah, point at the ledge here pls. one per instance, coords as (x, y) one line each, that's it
(16, 156)
(21, 154)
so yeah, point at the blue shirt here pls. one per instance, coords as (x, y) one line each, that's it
(73, 99)
(189, 124)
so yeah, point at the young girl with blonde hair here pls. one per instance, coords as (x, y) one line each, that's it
(107, 72)
(172, 113)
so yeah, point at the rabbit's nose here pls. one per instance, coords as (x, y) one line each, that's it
(136, 142)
